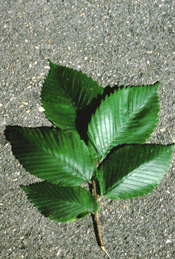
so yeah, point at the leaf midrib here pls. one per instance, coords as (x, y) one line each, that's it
(52, 154)
(56, 199)
(108, 148)
(61, 82)
(124, 177)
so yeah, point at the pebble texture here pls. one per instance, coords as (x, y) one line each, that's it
(116, 43)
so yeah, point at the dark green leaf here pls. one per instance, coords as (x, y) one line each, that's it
(64, 92)
(61, 203)
(133, 170)
(52, 154)
(127, 116)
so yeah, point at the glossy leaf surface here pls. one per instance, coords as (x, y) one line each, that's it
(133, 170)
(52, 154)
(65, 91)
(61, 203)
(127, 116)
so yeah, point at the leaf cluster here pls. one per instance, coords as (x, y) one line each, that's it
(98, 135)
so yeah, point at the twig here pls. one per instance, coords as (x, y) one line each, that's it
(96, 219)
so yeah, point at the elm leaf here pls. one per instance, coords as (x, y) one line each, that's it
(52, 154)
(133, 170)
(128, 116)
(64, 92)
(61, 203)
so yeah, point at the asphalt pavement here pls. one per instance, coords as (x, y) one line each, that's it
(116, 43)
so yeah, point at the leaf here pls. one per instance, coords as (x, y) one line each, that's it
(127, 116)
(52, 154)
(133, 170)
(65, 91)
(61, 203)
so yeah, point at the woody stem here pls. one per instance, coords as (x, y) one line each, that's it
(96, 218)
